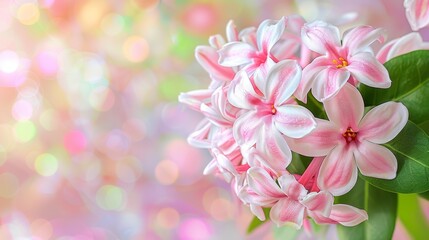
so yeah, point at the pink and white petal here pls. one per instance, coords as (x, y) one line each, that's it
(417, 12)
(382, 123)
(231, 32)
(376, 161)
(216, 41)
(201, 137)
(260, 73)
(269, 32)
(294, 121)
(247, 196)
(328, 82)
(213, 116)
(282, 81)
(257, 211)
(263, 184)
(309, 74)
(236, 53)
(291, 187)
(241, 93)
(347, 215)
(366, 69)
(211, 167)
(287, 211)
(246, 129)
(208, 58)
(272, 145)
(248, 35)
(320, 202)
(407, 43)
(195, 98)
(346, 108)
(338, 173)
(361, 37)
(318, 142)
(321, 37)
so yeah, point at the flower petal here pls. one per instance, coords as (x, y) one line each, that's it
(321, 37)
(338, 173)
(261, 183)
(269, 32)
(201, 137)
(376, 161)
(246, 128)
(291, 187)
(257, 211)
(346, 108)
(347, 215)
(287, 211)
(231, 32)
(294, 121)
(407, 43)
(366, 69)
(236, 53)
(282, 81)
(309, 74)
(417, 12)
(382, 123)
(328, 82)
(208, 58)
(195, 98)
(216, 41)
(320, 202)
(361, 37)
(241, 93)
(318, 142)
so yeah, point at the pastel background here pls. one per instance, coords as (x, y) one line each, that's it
(92, 138)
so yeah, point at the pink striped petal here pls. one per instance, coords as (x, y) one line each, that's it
(321, 37)
(195, 98)
(257, 211)
(261, 183)
(241, 93)
(407, 43)
(338, 173)
(382, 123)
(269, 32)
(273, 147)
(291, 187)
(376, 161)
(346, 108)
(347, 215)
(216, 41)
(200, 138)
(319, 142)
(231, 32)
(287, 211)
(359, 38)
(208, 58)
(294, 121)
(246, 128)
(328, 82)
(282, 81)
(417, 12)
(236, 53)
(320, 202)
(309, 74)
(250, 197)
(366, 69)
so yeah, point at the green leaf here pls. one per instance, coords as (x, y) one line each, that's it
(314, 106)
(410, 85)
(298, 164)
(381, 207)
(411, 215)
(411, 150)
(425, 195)
(255, 223)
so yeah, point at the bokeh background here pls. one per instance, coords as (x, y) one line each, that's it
(92, 138)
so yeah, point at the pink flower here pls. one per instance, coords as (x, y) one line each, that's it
(407, 43)
(291, 202)
(265, 117)
(349, 141)
(253, 56)
(417, 12)
(348, 60)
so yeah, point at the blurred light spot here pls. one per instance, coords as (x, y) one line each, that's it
(110, 197)
(135, 49)
(49, 119)
(113, 24)
(3, 152)
(194, 229)
(184, 44)
(134, 128)
(171, 86)
(125, 173)
(116, 143)
(28, 13)
(200, 17)
(47, 3)
(166, 172)
(48, 63)
(9, 185)
(9, 61)
(24, 131)
(147, 3)
(221, 209)
(102, 99)
(22, 110)
(75, 141)
(167, 218)
(41, 229)
(46, 165)
(93, 68)
(91, 13)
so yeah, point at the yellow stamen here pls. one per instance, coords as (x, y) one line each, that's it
(340, 63)
(273, 109)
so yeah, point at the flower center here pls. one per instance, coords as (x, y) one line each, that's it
(340, 62)
(273, 110)
(349, 135)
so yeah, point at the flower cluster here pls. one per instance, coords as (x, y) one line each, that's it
(257, 116)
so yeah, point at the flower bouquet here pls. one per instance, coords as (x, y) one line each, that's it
(311, 126)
